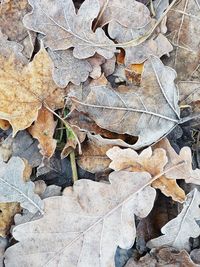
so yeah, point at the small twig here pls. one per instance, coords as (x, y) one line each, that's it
(73, 166)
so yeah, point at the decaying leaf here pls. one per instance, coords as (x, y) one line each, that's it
(4, 125)
(127, 13)
(184, 32)
(7, 213)
(43, 130)
(67, 68)
(176, 233)
(148, 112)
(152, 162)
(11, 15)
(14, 189)
(183, 160)
(3, 245)
(98, 221)
(64, 28)
(33, 87)
(93, 158)
(163, 256)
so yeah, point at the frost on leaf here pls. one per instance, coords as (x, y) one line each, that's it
(148, 112)
(97, 222)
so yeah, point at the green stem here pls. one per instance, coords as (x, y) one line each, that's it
(73, 166)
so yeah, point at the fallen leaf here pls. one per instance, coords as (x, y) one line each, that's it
(176, 233)
(127, 13)
(150, 161)
(3, 245)
(163, 256)
(7, 213)
(159, 7)
(14, 189)
(64, 28)
(33, 87)
(195, 255)
(43, 130)
(183, 32)
(11, 15)
(183, 160)
(93, 158)
(133, 110)
(110, 206)
(96, 61)
(4, 125)
(67, 68)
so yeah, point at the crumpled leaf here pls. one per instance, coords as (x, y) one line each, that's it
(183, 28)
(64, 28)
(33, 88)
(127, 13)
(67, 68)
(43, 130)
(163, 256)
(133, 110)
(8, 211)
(3, 245)
(176, 233)
(152, 162)
(183, 160)
(11, 14)
(98, 221)
(14, 189)
(159, 7)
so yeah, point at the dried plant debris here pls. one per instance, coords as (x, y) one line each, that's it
(99, 133)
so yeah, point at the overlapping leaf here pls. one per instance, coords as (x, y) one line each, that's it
(148, 112)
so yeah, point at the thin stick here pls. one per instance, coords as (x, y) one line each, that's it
(73, 166)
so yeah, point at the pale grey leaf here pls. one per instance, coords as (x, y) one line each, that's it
(76, 225)
(14, 189)
(160, 6)
(64, 28)
(176, 233)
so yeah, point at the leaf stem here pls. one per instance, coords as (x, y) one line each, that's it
(73, 166)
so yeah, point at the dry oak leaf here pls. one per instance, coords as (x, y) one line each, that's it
(11, 15)
(67, 68)
(43, 130)
(177, 232)
(183, 32)
(98, 221)
(183, 161)
(150, 161)
(64, 28)
(24, 91)
(8, 211)
(128, 13)
(149, 111)
(14, 189)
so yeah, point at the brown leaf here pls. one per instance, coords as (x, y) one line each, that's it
(163, 256)
(152, 162)
(93, 158)
(96, 61)
(183, 161)
(4, 125)
(11, 15)
(133, 110)
(33, 88)
(64, 28)
(43, 130)
(184, 32)
(101, 217)
(7, 213)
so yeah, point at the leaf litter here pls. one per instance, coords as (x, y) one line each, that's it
(102, 98)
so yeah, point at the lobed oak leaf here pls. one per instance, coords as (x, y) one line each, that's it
(14, 189)
(150, 161)
(148, 112)
(176, 233)
(43, 130)
(98, 221)
(33, 88)
(183, 161)
(64, 28)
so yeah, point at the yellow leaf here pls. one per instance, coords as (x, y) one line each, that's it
(25, 89)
